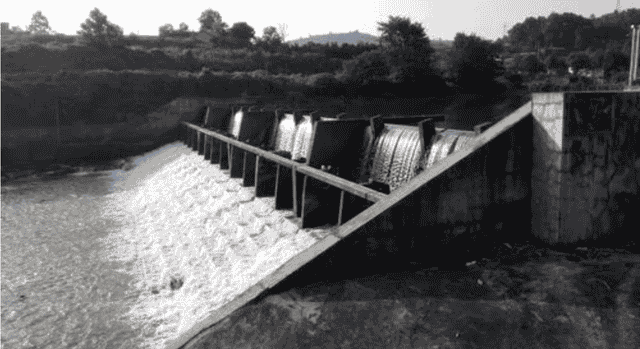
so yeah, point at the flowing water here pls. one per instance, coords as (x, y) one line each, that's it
(234, 124)
(88, 262)
(397, 153)
(286, 133)
(302, 138)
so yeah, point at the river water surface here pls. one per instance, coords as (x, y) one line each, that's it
(88, 260)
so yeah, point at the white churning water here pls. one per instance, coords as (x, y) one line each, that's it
(286, 133)
(397, 153)
(234, 124)
(302, 139)
(189, 221)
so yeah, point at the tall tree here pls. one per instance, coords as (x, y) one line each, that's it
(473, 61)
(408, 49)
(270, 38)
(399, 34)
(560, 29)
(242, 33)
(99, 31)
(528, 34)
(39, 24)
(165, 30)
(211, 21)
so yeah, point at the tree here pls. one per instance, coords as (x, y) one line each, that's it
(39, 24)
(183, 27)
(557, 64)
(560, 29)
(528, 34)
(408, 50)
(165, 30)
(532, 65)
(614, 62)
(97, 30)
(270, 38)
(399, 34)
(242, 33)
(211, 21)
(579, 61)
(366, 70)
(473, 62)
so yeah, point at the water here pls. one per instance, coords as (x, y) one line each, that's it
(94, 256)
(302, 138)
(286, 133)
(57, 289)
(396, 154)
(234, 124)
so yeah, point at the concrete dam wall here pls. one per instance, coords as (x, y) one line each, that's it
(563, 168)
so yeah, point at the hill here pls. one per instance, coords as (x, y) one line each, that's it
(340, 38)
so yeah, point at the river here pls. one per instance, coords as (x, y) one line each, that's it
(133, 259)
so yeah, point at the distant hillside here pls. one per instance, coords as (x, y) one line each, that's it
(351, 38)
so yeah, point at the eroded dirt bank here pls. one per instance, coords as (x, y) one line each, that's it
(514, 296)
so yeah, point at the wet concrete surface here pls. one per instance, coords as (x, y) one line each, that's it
(513, 295)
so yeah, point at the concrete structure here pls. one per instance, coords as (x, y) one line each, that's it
(563, 168)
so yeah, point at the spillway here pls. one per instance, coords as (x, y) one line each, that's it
(390, 187)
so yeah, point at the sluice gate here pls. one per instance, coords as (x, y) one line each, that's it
(400, 185)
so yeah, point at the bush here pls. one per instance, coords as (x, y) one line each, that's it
(579, 61)
(557, 64)
(532, 65)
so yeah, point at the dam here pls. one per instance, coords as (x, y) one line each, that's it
(562, 169)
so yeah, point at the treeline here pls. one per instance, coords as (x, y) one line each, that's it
(573, 32)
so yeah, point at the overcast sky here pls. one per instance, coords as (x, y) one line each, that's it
(441, 18)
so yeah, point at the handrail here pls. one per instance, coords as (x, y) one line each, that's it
(340, 183)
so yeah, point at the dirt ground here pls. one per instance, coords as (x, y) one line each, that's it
(513, 295)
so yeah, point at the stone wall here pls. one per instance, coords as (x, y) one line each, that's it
(586, 164)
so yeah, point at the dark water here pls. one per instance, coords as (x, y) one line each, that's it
(58, 289)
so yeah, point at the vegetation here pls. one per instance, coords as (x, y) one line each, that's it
(222, 60)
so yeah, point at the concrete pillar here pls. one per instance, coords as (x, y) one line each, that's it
(585, 163)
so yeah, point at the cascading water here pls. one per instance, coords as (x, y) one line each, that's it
(405, 159)
(302, 139)
(396, 153)
(463, 141)
(441, 148)
(191, 225)
(286, 133)
(234, 124)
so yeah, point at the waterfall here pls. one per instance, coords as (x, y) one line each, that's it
(234, 124)
(441, 148)
(384, 151)
(463, 141)
(285, 134)
(403, 167)
(396, 155)
(302, 139)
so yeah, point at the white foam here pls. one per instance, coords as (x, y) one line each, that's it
(188, 220)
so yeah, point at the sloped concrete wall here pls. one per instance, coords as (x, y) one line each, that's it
(485, 193)
(586, 164)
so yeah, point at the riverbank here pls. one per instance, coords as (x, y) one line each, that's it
(56, 170)
(521, 295)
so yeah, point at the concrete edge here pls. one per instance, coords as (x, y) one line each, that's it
(217, 316)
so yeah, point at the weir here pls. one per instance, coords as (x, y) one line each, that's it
(398, 184)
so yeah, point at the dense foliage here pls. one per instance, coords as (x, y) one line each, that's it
(558, 52)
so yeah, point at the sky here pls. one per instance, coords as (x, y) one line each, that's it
(441, 18)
